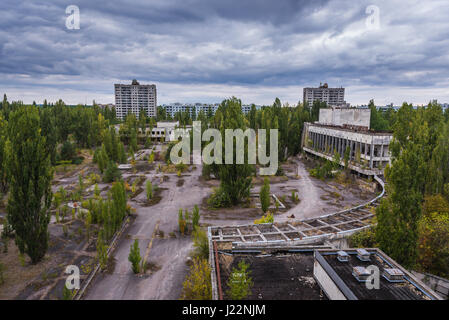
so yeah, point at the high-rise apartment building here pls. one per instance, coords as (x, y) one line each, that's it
(332, 96)
(135, 97)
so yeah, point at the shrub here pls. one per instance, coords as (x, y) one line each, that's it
(240, 282)
(197, 285)
(433, 243)
(181, 166)
(96, 191)
(181, 222)
(206, 171)
(265, 219)
(200, 243)
(68, 151)
(219, 199)
(112, 172)
(365, 238)
(294, 197)
(67, 294)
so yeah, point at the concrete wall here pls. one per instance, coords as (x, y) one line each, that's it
(438, 284)
(345, 116)
(326, 284)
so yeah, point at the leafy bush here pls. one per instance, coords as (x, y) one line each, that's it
(322, 171)
(294, 197)
(219, 199)
(200, 243)
(112, 172)
(265, 219)
(365, 238)
(206, 171)
(68, 151)
(240, 282)
(197, 285)
(433, 243)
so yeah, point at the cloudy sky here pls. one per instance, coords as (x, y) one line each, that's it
(205, 51)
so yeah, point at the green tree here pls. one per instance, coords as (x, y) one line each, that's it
(102, 252)
(346, 157)
(235, 179)
(112, 172)
(264, 195)
(2, 277)
(149, 187)
(30, 174)
(377, 120)
(3, 172)
(433, 244)
(195, 217)
(240, 282)
(134, 257)
(68, 151)
(418, 156)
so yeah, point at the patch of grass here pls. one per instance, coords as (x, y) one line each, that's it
(180, 182)
(336, 195)
(152, 267)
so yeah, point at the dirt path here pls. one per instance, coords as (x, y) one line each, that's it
(309, 193)
(167, 254)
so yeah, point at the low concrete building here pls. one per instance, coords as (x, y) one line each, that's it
(342, 128)
(378, 278)
(165, 131)
(314, 272)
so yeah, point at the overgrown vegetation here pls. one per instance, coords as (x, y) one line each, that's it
(264, 195)
(420, 168)
(240, 282)
(197, 285)
(268, 218)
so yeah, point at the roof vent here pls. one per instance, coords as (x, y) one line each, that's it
(342, 256)
(363, 255)
(394, 275)
(360, 273)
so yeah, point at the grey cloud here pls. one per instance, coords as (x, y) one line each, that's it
(244, 43)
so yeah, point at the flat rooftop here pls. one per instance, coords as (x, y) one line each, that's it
(276, 276)
(341, 128)
(409, 289)
(311, 272)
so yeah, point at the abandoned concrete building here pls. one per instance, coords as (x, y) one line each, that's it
(340, 128)
(316, 272)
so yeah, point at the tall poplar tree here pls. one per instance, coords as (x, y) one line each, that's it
(29, 173)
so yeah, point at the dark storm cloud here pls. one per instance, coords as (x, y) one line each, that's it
(233, 42)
